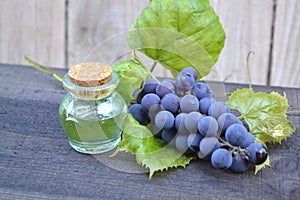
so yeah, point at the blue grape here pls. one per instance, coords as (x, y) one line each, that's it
(150, 100)
(208, 126)
(193, 141)
(257, 153)
(221, 159)
(249, 140)
(205, 103)
(164, 88)
(168, 135)
(181, 143)
(170, 102)
(207, 146)
(201, 90)
(189, 103)
(150, 85)
(138, 113)
(185, 81)
(164, 120)
(218, 108)
(191, 121)
(227, 119)
(236, 134)
(239, 163)
(179, 123)
(192, 71)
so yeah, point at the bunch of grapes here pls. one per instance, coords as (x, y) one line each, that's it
(185, 114)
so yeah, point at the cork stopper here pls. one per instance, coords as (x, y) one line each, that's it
(90, 74)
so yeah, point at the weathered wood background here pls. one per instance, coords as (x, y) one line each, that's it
(60, 33)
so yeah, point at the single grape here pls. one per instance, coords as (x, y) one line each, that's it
(192, 71)
(150, 100)
(138, 113)
(170, 102)
(181, 143)
(249, 140)
(164, 88)
(236, 134)
(205, 103)
(208, 126)
(189, 103)
(221, 159)
(168, 135)
(201, 90)
(227, 119)
(207, 146)
(185, 81)
(150, 85)
(180, 123)
(193, 141)
(218, 108)
(164, 120)
(257, 153)
(239, 163)
(191, 121)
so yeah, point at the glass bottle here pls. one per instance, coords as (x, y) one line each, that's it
(93, 117)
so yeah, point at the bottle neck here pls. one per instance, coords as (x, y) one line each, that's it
(91, 93)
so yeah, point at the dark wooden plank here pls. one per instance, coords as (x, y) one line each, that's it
(36, 161)
(28, 83)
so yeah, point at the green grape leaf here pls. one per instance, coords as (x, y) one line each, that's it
(149, 151)
(264, 113)
(131, 75)
(178, 34)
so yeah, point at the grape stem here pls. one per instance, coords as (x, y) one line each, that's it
(136, 58)
(153, 66)
(40, 67)
(233, 148)
(248, 69)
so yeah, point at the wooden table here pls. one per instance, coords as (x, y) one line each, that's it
(36, 161)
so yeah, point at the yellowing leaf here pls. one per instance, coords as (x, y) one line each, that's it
(149, 151)
(264, 113)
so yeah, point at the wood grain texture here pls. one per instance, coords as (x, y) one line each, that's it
(100, 24)
(33, 28)
(98, 31)
(38, 29)
(286, 49)
(36, 161)
(247, 25)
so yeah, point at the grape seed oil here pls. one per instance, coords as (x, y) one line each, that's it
(92, 117)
